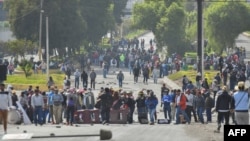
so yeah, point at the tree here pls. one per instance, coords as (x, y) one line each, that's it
(224, 22)
(119, 6)
(147, 14)
(71, 22)
(20, 47)
(171, 29)
(26, 67)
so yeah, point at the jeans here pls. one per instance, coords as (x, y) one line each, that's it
(77, 82)
(105, 114)
(92, 84)
(85, 83)
(200, 114)
(167, 112)
(209, 114)
(70, 114)
(45, 112)
(180, 111)
(104, 73)
(38, 114)
(120, 83)
(189, 110)
(152, 114)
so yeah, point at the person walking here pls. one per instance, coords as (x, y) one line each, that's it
(155, 74)
(120, 78)
(209, 104)
(77, 75)
(50, 82)
(84, 78)
(145, 75)
(224, 104)
(242, 104)
(5, 103)
(199, 103)
(92, 76)
(136, 72)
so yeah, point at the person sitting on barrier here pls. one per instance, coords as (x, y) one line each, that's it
(106, 103)
(5, 103)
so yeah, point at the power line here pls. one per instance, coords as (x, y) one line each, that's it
(36, 8)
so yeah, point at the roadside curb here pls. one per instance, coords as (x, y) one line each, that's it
(246, 34)
(170, 83)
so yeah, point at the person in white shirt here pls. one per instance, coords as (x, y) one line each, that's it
(37, 104)
(5, 103)
(77, 75)
(190, 105)
(113, 64)
(43, 67)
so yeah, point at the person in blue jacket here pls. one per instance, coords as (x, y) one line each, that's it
(151, 103)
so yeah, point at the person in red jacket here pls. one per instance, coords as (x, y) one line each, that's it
(181, 100)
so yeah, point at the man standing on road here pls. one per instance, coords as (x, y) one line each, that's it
(37, 104)
(106, 103)
(181, 107)
(50, 104)
(151, 103)
(5, 103)
(190, 105)
(120, 78)
(84, 78)
(136, 72)
(92, 76)
(77, 75)
(57, 106)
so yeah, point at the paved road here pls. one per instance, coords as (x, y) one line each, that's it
(133, 132)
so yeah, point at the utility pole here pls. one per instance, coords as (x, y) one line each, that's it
(200, 37)
(47, 46)
(40, 31)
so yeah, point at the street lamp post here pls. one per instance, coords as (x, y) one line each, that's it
(40, 30)
(47, 45)
(200, 37)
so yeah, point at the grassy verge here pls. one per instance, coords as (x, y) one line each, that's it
(191, 74)
(20, 82)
